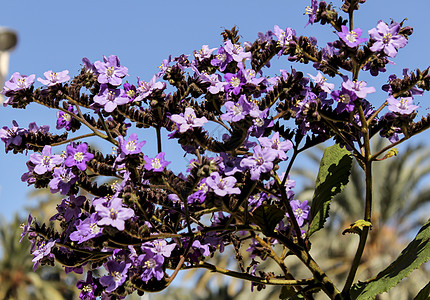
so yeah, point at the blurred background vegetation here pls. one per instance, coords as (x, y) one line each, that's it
(401, 205)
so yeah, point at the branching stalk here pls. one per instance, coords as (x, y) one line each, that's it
(256, 279)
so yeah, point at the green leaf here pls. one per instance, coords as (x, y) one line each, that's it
(332, 177)
(267, 217)
(413, 256)
(288, 293)
(357, 227)
(424, 294)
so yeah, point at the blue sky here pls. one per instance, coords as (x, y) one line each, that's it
(56, 35)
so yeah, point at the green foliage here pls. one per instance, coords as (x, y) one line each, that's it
(413, 256)
(288, 293)
(332, 177)
(267, 217)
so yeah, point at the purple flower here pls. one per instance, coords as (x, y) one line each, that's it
(260, 123)
(236, 111)
(145, 89)
(12, 135)
(351, 38)
(18, 82)
(53, 78)
(387, 38)
(200, 195)
(87, 287)
(320, 80)
(114, 214)
(117, 274)
(86, 229)
(188, 120)
(311, 11)
(164, 66)
(260, 162)
(275, 143)
(26, 227)
(89, 67)
(253, 249)
(130, 90)
(289, 185)
(45, 162)
(131, 146)
(78, 156)
(265, 37)
(234, 82)
(110, 71)
(284, 37)
(403, 106)
(70, 208)
(358, 87)
(345, 98)
(159, 247)
(63, 179)
(182, 61)
(222, 186)
(236, 52)
(156, 164)
(222, 59)
(110, 98)
(203, 53)
(29, 176)
(249, 76)
(230, 164)
(329, 51)
(197, 250)
(64, 119)
(214, 79)
(300, 210)
(257, 199)
(33, 128)
(43, 251)
(152, 265)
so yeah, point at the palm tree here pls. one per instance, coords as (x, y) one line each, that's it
(18, 281)
(399, 201)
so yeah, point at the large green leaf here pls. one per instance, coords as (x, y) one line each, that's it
(332, 177)
(413, 256)
(424, 294)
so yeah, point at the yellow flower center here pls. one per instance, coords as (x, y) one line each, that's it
(387, 37)
(131, 146)
(156, 163)
(113, 213)
(351, 36)
(235, 82)
(79, 156)
(46, 160)
(88, 288)
(109, 71)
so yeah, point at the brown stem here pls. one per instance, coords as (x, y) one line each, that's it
(320, 277)
(256, 279)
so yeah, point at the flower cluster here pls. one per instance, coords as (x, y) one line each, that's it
(138, 218)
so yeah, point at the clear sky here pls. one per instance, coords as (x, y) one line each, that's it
(56, 35)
